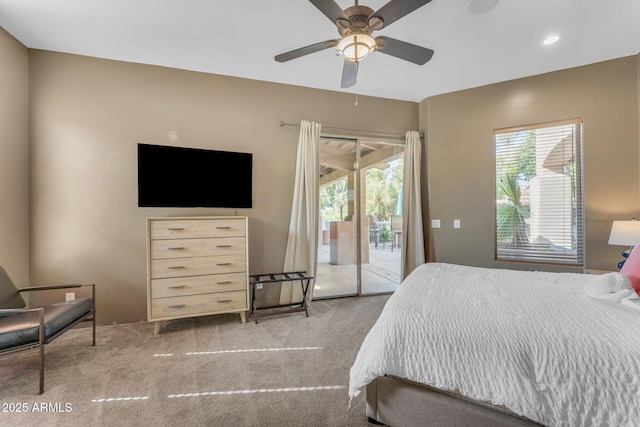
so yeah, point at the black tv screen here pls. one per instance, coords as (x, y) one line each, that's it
(191, 177)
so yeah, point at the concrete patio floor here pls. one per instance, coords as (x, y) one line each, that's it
(381, 275)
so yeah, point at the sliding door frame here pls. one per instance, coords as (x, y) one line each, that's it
(387, 141)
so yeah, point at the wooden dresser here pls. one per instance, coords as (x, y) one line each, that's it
(196, 266)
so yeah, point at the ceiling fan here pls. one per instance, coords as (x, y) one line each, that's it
(355, 25)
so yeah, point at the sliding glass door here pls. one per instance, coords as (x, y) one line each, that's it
(381, 202)
(337, 272)
(359, 249)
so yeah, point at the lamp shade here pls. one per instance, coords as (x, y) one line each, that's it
(625, 233)
(356, 46)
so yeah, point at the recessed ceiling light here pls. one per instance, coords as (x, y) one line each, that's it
(477, 7)
(550, 40)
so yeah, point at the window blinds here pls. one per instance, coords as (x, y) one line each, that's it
(539, 213)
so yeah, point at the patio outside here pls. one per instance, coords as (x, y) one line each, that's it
(382, 274)
(380, 232)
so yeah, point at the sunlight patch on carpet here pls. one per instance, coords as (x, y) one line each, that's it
(253, 350)
(120, 399)
(258, 390)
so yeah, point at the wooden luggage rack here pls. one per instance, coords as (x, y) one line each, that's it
(259, 281)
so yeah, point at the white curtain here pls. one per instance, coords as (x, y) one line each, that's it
(413, 254)
(302, 244)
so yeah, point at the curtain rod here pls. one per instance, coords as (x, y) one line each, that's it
(363, 131)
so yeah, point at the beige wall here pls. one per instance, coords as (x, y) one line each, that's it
(88, 115)
(14, 152)
(459, 132)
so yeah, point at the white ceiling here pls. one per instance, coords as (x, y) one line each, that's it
(240, 38)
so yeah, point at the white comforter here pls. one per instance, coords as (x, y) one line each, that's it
(534, 342)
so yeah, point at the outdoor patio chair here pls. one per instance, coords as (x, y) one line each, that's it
(24, 329)
(396, 229)
(374, 231)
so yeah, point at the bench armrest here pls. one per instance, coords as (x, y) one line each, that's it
(13, 311)
(10, 311)
(53, 287)
(48, 288)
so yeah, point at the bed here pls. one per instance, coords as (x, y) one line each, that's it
(459, 345)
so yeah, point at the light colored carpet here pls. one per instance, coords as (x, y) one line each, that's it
(287, 370)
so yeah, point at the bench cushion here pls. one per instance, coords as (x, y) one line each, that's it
(20, 329)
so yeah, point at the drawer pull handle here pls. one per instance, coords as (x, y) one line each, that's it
(223, 228)
(177, 306)
(223, 263)
(178, 248)
(176, 267)
(176, 228)
(223, 246)
(228, 282)
(177, 287)
(224, 301)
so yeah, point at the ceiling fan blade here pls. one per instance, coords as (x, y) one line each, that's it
(394, 10)
(403, 50)
(331, 9)
(349, 73)
(297, 53)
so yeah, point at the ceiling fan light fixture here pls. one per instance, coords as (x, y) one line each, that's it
(355, 47)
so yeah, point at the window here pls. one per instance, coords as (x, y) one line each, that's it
(539, 213)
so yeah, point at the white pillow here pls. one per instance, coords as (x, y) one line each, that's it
(610, 286)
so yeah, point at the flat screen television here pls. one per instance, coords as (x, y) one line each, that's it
(191, 177)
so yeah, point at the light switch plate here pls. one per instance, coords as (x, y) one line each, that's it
(435, 223)
(456, 223)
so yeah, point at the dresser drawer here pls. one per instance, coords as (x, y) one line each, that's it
(198, 304)
(180, 286)
(196, 228)
(199, 266)
(183, 248)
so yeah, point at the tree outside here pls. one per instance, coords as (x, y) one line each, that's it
(383, 190)
(333, 200)
(383, 187)
(515, 167)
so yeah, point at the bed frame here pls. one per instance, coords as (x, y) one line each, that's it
(398, 402)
